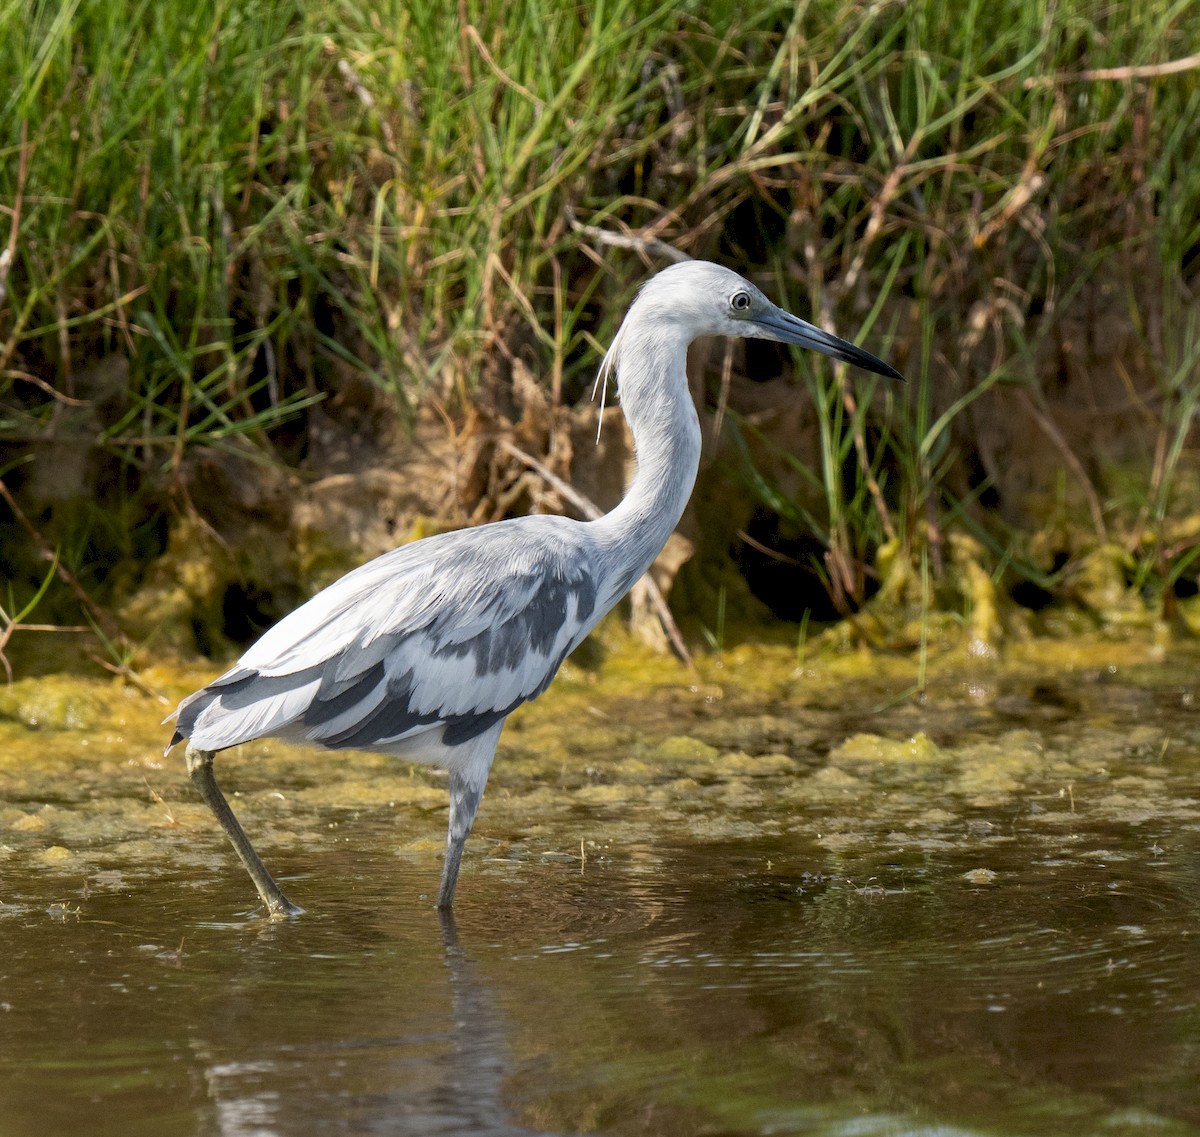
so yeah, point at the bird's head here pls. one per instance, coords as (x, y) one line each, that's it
(698, 298)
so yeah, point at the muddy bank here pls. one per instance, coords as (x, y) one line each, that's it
(237, 537)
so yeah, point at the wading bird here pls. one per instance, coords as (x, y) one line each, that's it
(423, 652)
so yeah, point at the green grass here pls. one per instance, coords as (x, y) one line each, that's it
(255, 203)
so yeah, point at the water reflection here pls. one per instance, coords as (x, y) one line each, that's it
(962, 918)
(936, 1006)
(448, 1079)
(682, 990)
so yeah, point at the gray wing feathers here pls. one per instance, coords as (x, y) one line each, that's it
(454, 632)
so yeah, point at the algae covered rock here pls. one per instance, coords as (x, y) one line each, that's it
(874, 748)
(52, 702)
(1102, 583)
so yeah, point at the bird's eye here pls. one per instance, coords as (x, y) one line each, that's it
(739, 301)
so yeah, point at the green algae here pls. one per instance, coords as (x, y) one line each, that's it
(59, 703)
(872, 748)
(840, 752)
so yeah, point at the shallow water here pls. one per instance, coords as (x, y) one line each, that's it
(767, 900)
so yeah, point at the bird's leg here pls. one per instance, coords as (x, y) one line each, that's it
(466, 791)
(199, 765)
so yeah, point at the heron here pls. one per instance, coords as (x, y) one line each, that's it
(424, 652)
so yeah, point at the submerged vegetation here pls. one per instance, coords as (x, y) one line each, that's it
(252, 247)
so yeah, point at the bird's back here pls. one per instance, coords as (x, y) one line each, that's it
(448, 634)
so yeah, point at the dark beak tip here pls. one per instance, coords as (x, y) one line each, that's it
(872, 363)
(869, 362)
(786, 328)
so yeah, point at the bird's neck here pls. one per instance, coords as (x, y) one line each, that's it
(653, 387)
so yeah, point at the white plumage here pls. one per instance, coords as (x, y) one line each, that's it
(388, 626)
(424, 651)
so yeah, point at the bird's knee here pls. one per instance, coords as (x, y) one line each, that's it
(197, 760)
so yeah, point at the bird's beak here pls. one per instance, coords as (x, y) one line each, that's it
(783, 326)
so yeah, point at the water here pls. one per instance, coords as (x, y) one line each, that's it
(764, 903)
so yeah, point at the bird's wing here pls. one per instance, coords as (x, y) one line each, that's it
(455, 630)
